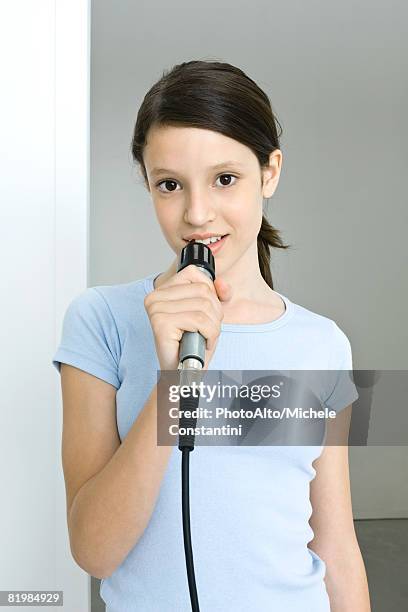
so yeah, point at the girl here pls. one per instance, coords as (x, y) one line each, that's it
(206, 142)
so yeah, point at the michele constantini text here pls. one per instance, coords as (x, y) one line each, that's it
(226, 413)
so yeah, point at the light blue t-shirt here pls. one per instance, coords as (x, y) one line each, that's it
(250, 505)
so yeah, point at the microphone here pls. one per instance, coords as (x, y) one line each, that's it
(191, 362)
(193, 344)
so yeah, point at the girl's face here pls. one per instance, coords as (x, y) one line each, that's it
(202, 182)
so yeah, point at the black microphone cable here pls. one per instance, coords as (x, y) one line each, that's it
(186, 445)
(191, 362)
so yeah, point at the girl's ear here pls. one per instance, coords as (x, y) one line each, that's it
(271, 173)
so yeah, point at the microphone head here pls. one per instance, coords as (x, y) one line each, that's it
(198, 254)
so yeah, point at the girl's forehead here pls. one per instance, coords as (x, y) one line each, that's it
(166, 144)
(170, 134)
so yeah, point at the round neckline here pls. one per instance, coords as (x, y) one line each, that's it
(241, 327)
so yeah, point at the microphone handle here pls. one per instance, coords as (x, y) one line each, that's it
(193, 344)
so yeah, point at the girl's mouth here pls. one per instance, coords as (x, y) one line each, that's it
(215, 246)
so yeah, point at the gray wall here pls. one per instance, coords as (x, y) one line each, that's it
(336, 75)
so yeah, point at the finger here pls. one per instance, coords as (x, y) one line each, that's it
(194, 321)
(206, 305)
(175, 293)
(190, 274)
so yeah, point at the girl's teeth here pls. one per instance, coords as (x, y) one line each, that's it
(209, 240)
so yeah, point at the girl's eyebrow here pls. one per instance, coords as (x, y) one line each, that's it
(230, 162)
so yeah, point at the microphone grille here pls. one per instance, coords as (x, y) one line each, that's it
(198, 254)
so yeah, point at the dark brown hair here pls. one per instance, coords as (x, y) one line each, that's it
(214, 96)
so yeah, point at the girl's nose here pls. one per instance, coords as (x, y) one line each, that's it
(199, 209)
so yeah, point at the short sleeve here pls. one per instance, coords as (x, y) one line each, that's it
(90, 339)
(344, 391)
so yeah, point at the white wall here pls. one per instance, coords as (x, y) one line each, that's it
(43, 253)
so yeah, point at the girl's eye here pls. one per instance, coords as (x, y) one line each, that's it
(226, 176)
(170, 185)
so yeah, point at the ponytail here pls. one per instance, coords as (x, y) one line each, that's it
(268, 237)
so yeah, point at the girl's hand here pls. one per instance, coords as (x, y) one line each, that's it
(188, 301)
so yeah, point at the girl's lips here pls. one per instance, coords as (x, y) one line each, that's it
(215, 246)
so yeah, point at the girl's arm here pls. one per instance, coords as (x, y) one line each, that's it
(111, 487)
(335, 539)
